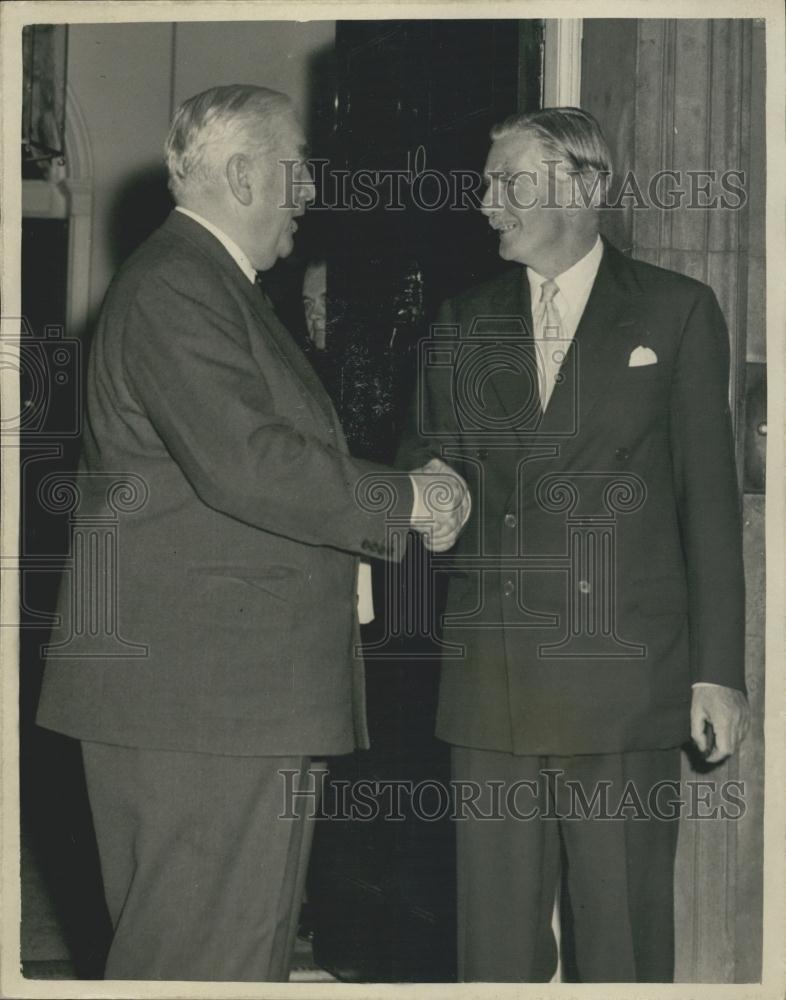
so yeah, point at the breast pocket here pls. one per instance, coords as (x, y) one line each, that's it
(645, 373)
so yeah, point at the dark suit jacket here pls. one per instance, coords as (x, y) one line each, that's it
(600, 657)
(237, 572)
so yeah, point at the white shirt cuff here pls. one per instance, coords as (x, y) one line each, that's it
(365, 594)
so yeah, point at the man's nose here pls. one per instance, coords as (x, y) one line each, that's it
(307, 188)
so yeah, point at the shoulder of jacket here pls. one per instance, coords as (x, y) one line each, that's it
(164, 262)
(655, 279)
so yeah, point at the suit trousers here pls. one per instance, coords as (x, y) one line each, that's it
(533, 815)
(203, 878)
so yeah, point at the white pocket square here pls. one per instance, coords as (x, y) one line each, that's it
(642, 356)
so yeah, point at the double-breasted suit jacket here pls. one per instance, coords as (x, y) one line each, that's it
(600, 573)
(237, 572)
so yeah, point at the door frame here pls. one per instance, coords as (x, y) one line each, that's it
(562, 61)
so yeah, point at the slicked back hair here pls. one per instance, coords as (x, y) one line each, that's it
(569, 134)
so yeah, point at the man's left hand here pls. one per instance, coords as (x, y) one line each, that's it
(728, 714)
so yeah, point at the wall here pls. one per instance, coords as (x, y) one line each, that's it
(126, 113)
(689, 95)
(127, 79)
(278, 54)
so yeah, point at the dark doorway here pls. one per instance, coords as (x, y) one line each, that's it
(414, 104)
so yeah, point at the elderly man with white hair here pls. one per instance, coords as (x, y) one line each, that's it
(235, 576)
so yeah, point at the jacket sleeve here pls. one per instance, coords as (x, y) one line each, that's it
(708, 498)
(190, 368)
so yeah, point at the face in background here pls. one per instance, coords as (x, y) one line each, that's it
(314, 303)
(282, 187)
(520, 186)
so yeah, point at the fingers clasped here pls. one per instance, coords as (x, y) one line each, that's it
(442, 504)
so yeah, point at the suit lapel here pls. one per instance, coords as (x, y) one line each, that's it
(509, 369)
(591, 358)
(305, 378)
(288, 350)
(596, 357)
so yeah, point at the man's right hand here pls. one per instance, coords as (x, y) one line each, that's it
(442, 504)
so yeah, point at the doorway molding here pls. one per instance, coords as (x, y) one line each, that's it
(562, 62)
(68, 194)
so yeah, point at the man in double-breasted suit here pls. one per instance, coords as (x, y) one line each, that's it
(209, 647)
(595, 610)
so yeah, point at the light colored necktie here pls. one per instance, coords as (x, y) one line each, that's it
(548, 336)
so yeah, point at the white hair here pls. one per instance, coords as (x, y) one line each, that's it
(210, 127)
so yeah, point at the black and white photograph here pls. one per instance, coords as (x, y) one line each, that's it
(391, 565)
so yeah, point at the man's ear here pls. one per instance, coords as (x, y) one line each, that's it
(238, 171)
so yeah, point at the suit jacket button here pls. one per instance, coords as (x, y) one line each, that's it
(510, 521)
(584, 587)
(483, 453)
(508, 588)
(622, 454)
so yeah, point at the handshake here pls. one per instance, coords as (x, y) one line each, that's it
(442, 504)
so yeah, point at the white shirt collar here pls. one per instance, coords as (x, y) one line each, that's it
(574, 284)
(229, 244)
